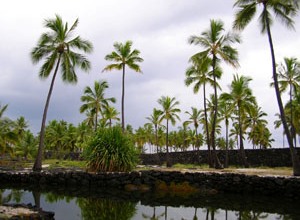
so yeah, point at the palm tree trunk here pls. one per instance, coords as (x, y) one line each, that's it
(217, 163)
(206, 128)
(156, 139)
(226, 151)
(242, 150)
(96, 119)
(123, 96)
(167, 146)
(294, 156)
(38, 161)
(293, 133)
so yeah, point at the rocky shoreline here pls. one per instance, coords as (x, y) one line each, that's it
(281, 186)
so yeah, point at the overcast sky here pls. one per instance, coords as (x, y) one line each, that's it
(159, 29)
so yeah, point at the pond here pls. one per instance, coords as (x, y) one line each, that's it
(112, 204)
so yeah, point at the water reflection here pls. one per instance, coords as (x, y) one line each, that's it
(111, 204)
(92, 209)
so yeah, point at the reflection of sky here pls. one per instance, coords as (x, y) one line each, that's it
(70, 211)
(62, 209)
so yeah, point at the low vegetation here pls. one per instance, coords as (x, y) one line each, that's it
(111, 150)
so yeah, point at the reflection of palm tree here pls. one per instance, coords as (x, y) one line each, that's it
(108, 209)
(13, 195)
(37, 198)
(195, 215)
(250, 215)
(210, 212)
(153, 217)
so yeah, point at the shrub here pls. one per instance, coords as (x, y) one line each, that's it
(110, 150)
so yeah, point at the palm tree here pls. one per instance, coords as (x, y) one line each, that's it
(20, 126)
(194, 118)
(241, 97)
(123, 56)
(170, 114)
(289, 78)
(284, 10)
(7, 136)
(55, 136)
(256, 123)
(154, 119)
(60, 52)
(2, 110)
(226, 114)
(28, 145)
(199, 75)
(110, 113)
(95, 101)
(218, 47)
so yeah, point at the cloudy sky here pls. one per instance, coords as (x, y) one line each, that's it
(159, 29)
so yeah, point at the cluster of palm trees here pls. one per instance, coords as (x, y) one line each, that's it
(237, 108)
(15, 137)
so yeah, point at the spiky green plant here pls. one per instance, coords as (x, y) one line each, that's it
(110, 150)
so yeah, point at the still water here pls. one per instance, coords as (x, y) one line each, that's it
(109, 204)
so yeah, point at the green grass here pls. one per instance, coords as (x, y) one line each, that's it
(53, 163)
(190, 166)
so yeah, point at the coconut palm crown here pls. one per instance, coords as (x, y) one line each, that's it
(123, 56)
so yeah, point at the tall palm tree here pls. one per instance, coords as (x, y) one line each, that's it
(218, 47)
(59, 49)
(241, 97)
(199, 75)
(95, 101)
(284, 10)
(170, 114)
(154, 119)
(123, 56)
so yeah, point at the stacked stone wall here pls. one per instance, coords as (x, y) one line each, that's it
(219, 182)
(268, 157)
